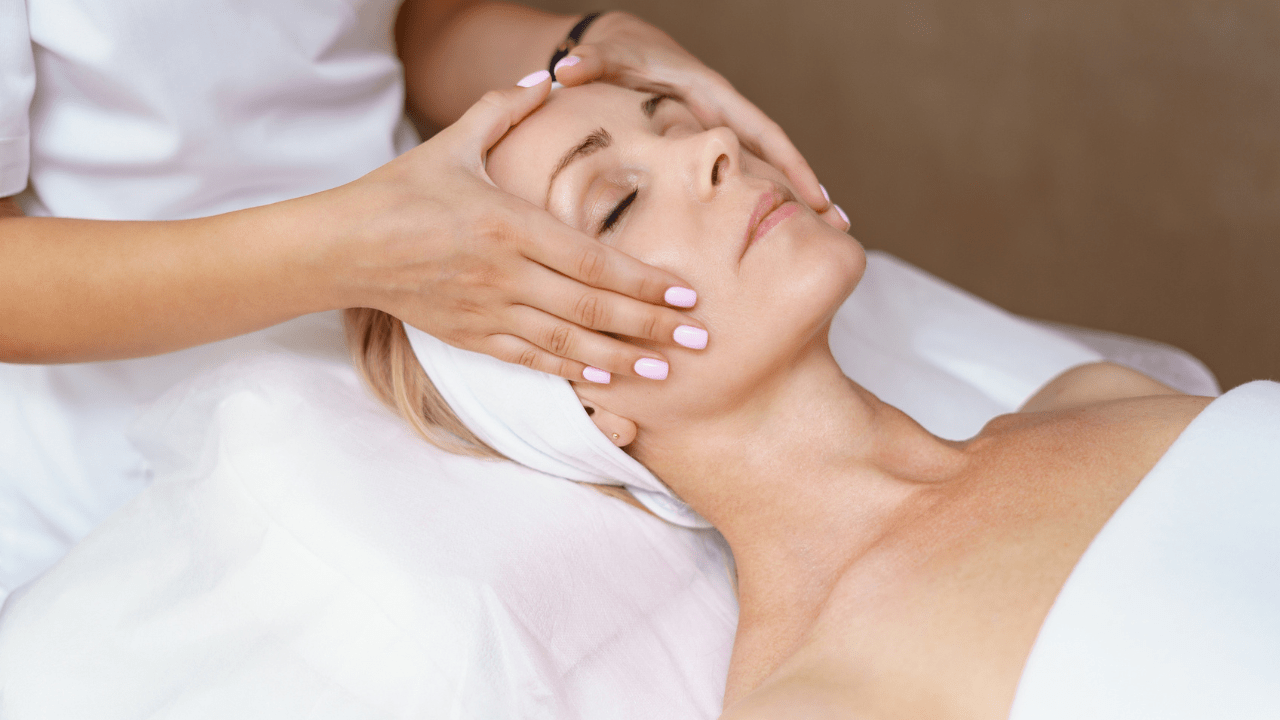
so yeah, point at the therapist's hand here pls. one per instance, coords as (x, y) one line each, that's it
(431, 240)
(624, 50)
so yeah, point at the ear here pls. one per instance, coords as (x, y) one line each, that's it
(620, 431)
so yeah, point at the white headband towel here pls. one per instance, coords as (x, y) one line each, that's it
(536, 420)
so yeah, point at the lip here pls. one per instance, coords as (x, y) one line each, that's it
(775, 205)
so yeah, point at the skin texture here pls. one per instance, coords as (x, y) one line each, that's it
(427, 238)
(883, 572)
(672, 158)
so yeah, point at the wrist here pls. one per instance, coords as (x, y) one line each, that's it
(604, 25)
(572, 39)
(297, 248)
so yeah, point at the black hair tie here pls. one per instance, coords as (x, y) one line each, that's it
(570, 42)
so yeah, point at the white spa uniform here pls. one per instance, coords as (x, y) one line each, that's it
(158, 110)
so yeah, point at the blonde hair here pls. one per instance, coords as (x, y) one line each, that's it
(384, 359)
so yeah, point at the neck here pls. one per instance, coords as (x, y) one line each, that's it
(802, 479)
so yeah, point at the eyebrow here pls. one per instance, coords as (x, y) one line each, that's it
(598, 139)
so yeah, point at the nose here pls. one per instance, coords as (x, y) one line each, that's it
(718, 156)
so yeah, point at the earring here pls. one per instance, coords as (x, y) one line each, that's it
(615, 436)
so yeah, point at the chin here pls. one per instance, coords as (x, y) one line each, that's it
(837, 268)
(764, 337)
(853, 263)
(802, 308)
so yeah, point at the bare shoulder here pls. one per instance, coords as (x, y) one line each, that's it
(1103, 396)
(1094, 383)
(1107, 443)
(1140, 427)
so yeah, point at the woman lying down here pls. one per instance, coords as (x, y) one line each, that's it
(882, 572)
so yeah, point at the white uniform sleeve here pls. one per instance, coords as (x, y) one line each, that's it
(17, 84)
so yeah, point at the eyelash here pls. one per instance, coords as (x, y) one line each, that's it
(618, 210)
(621, 207)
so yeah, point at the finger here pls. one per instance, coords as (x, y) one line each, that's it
(609, 312)
(519, 351)
(773, 145)
(585, 64)
(763, 136)
(779, 152)
(624, 67)
(713, 100)
(484, 123)
(581, 258)
(592, 350)
(836, 218)
(801, 176)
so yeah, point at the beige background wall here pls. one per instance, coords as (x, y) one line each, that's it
(1107, 163)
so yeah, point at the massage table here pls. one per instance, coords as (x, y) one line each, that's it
(268, 541)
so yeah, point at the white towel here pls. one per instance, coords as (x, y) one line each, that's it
(536, 420)
(903, 335)
(1172, 611)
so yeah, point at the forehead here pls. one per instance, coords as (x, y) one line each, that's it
(522, 161)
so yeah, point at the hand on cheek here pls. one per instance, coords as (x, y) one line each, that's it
(437, 244)
(622, 49)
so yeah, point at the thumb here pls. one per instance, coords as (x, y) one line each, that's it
(484, 123)
(585, 64)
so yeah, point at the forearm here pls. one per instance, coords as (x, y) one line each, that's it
(80, 290)
(454, 52)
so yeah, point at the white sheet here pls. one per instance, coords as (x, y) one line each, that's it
(280, 567)
(65, 463)
(1173, 613)
(301, 554)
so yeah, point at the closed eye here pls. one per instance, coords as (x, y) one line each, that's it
(618, 210)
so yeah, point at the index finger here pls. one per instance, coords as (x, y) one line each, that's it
(766, 138)
(572, 254)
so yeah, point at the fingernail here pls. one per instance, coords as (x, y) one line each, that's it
(690, 337)
(680, 297)
(596, 375)
(534, 78)
(842, 215)
(652, 369)
(825, 194)
(567, 61)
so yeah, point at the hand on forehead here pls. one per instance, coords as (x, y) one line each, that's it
(567, 128)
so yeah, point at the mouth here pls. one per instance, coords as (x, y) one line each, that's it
(775, 205)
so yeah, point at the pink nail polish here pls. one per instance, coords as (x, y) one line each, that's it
(680, 297)
(534, 78)
(842, 215)
(568, 61)
(652, 369)
(596, 375)
(690, 337)
(825, 194)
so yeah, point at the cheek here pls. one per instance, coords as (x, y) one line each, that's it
(670, 234)
(779, 310)
(803, 279)
(759, 314)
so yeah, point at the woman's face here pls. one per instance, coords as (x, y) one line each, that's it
(640, 173)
